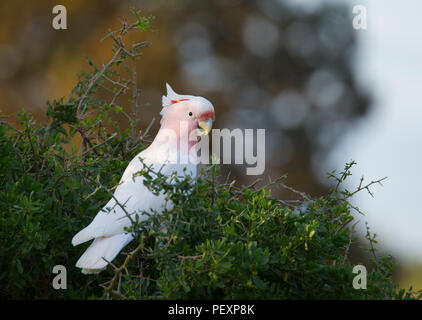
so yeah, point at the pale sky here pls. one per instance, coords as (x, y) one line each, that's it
(389, 141)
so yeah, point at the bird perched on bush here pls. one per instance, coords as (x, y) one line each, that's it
(184, 119)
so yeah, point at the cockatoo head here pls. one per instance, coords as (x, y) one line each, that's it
(197, 112)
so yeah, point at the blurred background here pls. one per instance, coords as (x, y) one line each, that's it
(325, 92)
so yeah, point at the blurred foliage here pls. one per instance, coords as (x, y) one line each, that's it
(222, 241)
(264, 63)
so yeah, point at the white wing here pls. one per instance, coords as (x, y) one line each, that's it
(134, 196)
(131, 194)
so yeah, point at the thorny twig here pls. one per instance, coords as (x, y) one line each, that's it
(100, 144)
(120, 51)
(363, 187)
(117, 274)
(351, 231)
(371, 241)
(122, 206)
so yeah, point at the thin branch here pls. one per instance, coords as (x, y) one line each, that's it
(117, 272)
(98, 145)
(363, 187)
(95, 79)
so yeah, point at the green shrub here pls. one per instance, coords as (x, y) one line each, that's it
(222, 241)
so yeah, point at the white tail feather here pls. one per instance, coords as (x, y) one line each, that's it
(103, 249)
(82, 236)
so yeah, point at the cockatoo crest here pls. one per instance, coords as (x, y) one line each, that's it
(172, 97)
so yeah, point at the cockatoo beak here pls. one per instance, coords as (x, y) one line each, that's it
(206, 126)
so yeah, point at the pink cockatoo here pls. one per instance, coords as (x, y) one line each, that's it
(183, 116)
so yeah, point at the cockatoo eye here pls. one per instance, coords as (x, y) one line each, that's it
(190, 114)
